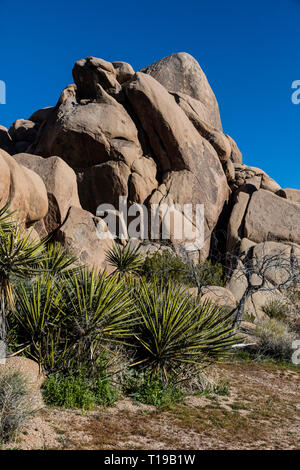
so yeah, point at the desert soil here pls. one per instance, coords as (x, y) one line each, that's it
(261, 411)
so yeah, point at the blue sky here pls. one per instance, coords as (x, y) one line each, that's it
(250, 52)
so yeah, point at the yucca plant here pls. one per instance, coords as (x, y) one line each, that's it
(125, 259)
(99, 310)
(58, 260)
(20, 257)
(175, 330)
(6, 218)
(39, 319)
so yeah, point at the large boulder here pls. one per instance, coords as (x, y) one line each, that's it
(244, 173)
(87, 237)
(27, 193)
(190, 168)
(110, 180)
(23, 130)
(41, 115)
(61, 185)
(237, 283)
(272, 218)
(215, 137)
(91, 72)
(84, 134)
(181, 73)
(4, 178)
(123, 70)
(277, 259)
(235, 229)
(218, 295)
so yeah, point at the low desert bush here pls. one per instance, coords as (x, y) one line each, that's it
(14, 404)
(78, 392)
(168, 266)
(277, 309)
(275, 339)
(147, 388)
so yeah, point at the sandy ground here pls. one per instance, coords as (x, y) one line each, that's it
(261, 411)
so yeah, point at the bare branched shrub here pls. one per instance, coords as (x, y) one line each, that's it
(14, 404)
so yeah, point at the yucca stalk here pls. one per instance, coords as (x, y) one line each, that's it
(175, 330)
(125, 259)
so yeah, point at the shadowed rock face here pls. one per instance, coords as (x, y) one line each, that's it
(154, 136)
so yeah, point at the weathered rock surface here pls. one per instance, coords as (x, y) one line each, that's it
(123, 70)
(256, 302)
(82, 134)
(81, 233)
(290, 194)
(188, 162)
(23, 189)
(181, 73)
(244, 173)
(219, 295)
(90, 73)
(196, 114)
(61, 185)
(272, 218)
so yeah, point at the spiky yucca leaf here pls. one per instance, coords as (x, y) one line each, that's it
(174, 330)
(58, 260)
(126, 259)
(20, 257)
(99, 309)
(6, 219)
(39, 318)
(39, 305)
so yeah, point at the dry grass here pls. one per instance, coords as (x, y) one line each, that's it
(262, 411)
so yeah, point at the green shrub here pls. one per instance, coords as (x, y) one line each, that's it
(275, 339)
(78, 392)
(167, 266)
(146, 388)
(14, 404)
